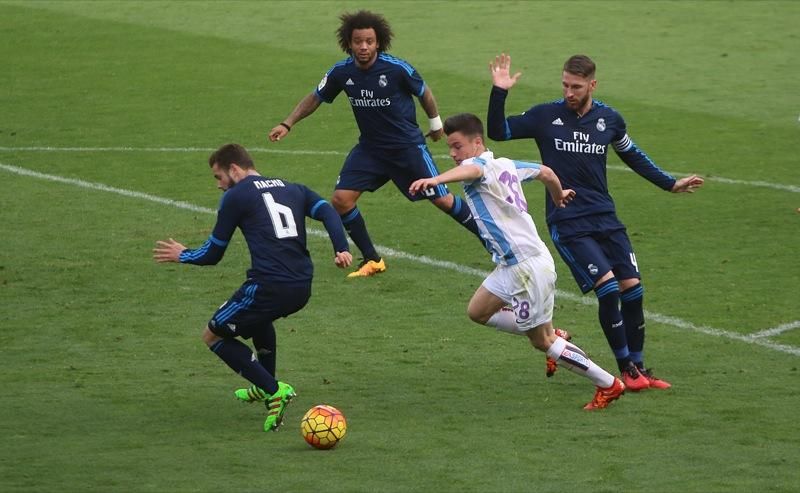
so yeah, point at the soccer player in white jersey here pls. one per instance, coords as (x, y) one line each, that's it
(524, 277)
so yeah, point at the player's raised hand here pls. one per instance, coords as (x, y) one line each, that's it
(500, 68)
(565, 198)
(687, 184)
(278, 132)
(421, 185)
(168, 251)
(343, 259)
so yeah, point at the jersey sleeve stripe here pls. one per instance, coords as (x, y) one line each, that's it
(197, 253)
(396, 61)
(525, 164)
(217, 241)
(315, 208)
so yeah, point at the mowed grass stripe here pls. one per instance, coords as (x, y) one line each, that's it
(756, 339)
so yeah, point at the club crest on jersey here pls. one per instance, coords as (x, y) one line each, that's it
(322, 82)
(382, 81)
(601, 125)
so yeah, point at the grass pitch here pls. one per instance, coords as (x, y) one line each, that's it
(108, 113)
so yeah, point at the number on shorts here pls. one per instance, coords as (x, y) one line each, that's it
(633, 261)
(522, 308)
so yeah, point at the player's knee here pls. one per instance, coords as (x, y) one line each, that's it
(343, 202)
(477, 316)
(444, 203)
(605, 278)
(209, 338)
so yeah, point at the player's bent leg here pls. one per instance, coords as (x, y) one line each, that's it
(456, 208)
(344, 201)
(609, 388)
(550, 364)
(486, 308)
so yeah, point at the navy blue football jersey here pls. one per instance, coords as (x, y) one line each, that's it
(576, 148)
(381, 98)
(271, 214)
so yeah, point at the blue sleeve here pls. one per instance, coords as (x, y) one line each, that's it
(414, 82)
(527, 171)
(321, 210)
(498, 127)
(212, 251)
(328, 88)
(638, 160)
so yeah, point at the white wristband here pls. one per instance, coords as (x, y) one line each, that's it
(435, 123)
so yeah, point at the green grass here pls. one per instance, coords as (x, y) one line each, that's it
(107, 386)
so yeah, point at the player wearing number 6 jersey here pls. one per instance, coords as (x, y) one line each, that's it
(270, 213)
(524, 277)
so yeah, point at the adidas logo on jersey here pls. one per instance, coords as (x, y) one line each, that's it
(349, 82)
(558, 121)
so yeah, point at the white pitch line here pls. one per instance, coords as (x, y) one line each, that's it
(664, 319)
(275, 150)
(776, 330)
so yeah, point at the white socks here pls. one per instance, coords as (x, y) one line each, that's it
(505, 321)
(574, 359)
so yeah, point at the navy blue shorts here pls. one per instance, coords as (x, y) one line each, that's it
(254, 306)
(592, 246)
(368, 169)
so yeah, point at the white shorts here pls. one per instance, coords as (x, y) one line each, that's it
(529, 287)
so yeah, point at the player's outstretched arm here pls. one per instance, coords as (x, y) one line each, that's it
(462, 172)
(168, 251)
(428, 103)
(688, 184)
(305, 107)
(560, 196)
(500, 69)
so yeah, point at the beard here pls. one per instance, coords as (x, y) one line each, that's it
(579, 104)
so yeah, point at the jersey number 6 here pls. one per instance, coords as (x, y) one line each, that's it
(282, 217)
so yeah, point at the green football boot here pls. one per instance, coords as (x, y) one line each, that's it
(251, 394)
(276, 404)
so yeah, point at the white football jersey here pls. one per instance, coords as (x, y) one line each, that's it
(501, 211)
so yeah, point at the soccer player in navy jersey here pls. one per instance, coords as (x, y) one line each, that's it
(270, 213)
(573, 135)
(380, 89)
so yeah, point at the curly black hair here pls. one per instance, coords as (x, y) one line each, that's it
(364, 19)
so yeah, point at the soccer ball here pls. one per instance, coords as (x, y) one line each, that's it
(323, 426)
